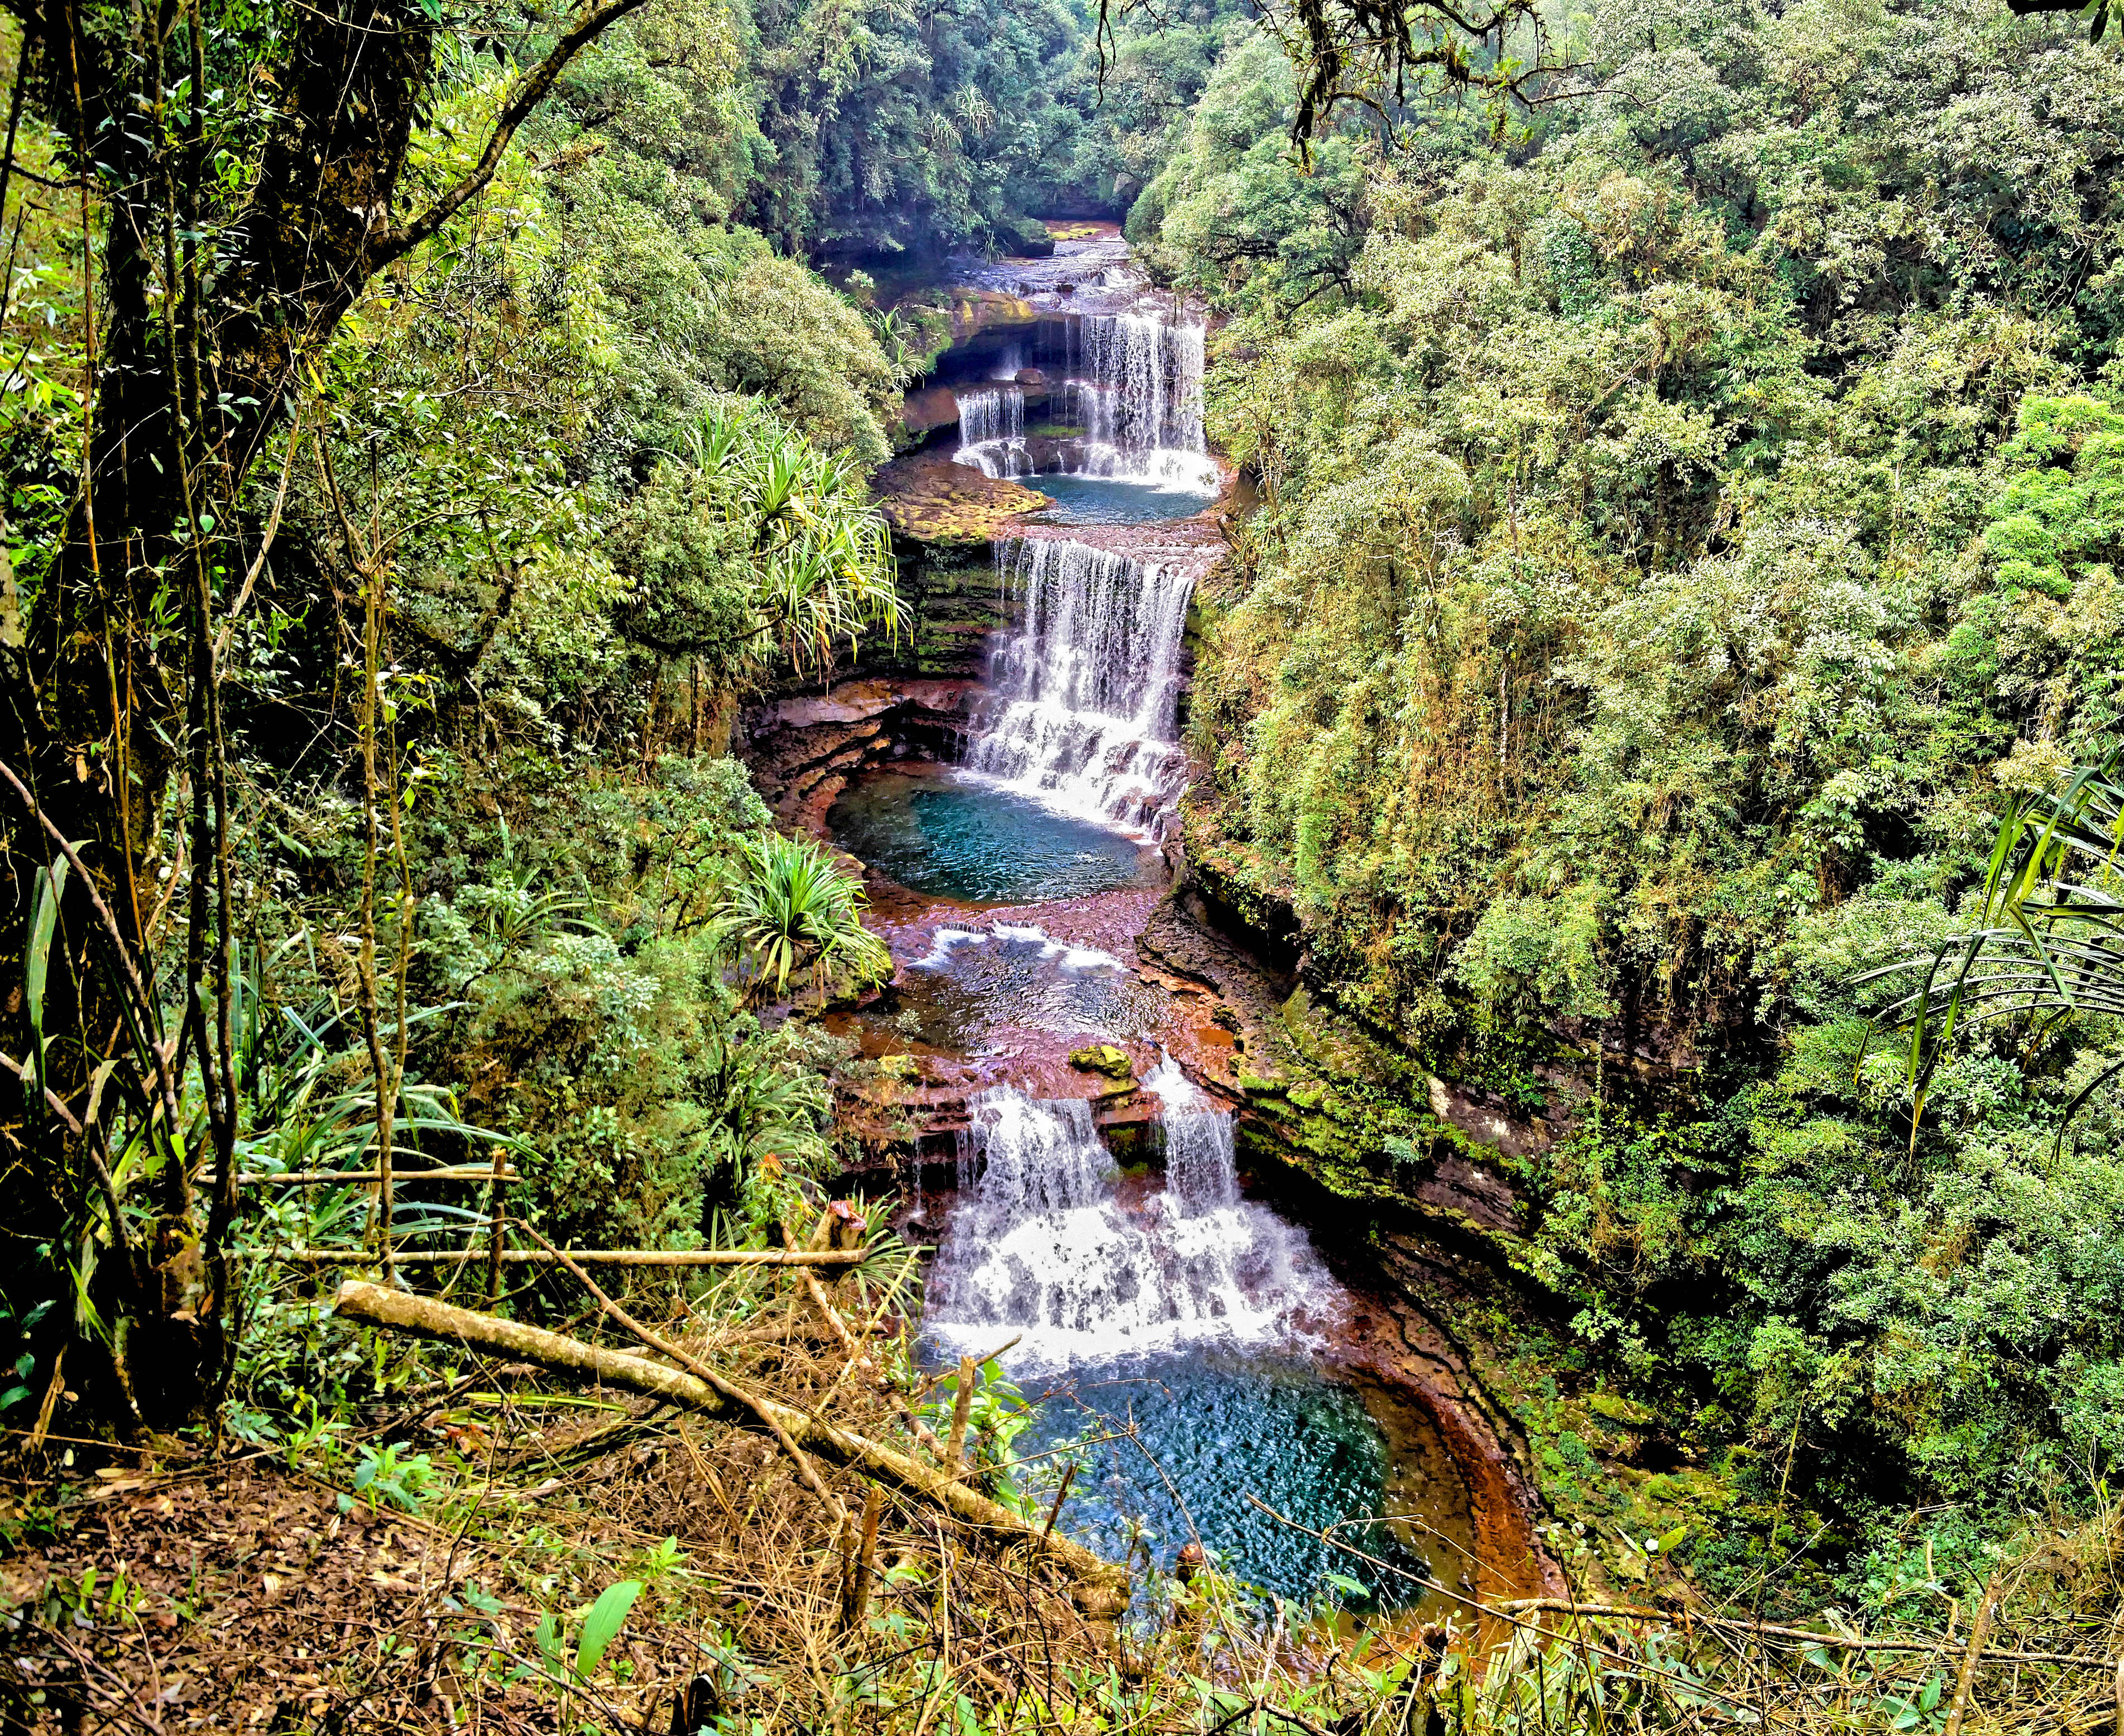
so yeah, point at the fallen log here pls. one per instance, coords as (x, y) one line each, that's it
(1102, 1587)
(588, 1256)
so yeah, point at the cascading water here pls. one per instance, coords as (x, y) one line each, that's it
(991, 431)
(1139, 400)
(1042, 1243)
(1081, 696)
(1132, 383)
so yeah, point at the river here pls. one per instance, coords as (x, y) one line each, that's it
(1093, 1213)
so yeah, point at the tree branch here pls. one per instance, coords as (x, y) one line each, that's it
(530, 91)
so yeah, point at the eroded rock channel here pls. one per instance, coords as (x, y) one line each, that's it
(1060, 1088)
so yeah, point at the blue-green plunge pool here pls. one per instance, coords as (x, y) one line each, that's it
(1209, 1430)
(940, 832)
(1098, 500)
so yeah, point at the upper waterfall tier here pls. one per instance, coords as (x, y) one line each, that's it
(1082, 690)
(1131, 389)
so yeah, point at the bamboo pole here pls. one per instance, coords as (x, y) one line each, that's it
(588, 1256)
(1101, 1586)
(449, 1172)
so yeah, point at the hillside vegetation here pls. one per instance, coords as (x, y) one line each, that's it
(1686, 528)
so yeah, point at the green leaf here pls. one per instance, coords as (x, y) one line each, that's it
(47, 889)
(603, 1623)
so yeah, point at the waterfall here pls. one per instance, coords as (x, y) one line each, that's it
(991, 431)
(1140, 398)
(1042, 1244)
(1132, 382)
(1199, 1167)
(1079, 710)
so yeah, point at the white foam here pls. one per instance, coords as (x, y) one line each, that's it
(1072, 957)
(1041, 1244)
(943, 944)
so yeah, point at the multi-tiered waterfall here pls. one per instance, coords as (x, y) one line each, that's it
(1081, 691)
(1132, 385)
(1043, 1244)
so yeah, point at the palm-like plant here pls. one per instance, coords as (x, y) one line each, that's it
(793, 905)
(2050, 941)
(821, 552)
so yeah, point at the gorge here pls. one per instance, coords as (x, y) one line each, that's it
(1162, 871)
(1017, 824)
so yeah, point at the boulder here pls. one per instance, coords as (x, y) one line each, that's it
(1103, 1058)
(924, 412)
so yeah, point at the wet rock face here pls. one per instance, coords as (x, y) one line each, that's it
(802, 750)
(925, 411)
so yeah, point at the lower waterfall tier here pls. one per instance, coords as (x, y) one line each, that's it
(1044, 1243)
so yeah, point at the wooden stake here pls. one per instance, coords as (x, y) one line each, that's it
(1980, 1631)
(962, 1404)
(494, 1220)
(855, 1587)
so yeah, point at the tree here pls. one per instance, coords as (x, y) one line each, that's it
(246, 165)
(1382, 54)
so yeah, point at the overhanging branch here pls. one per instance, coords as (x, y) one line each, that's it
(530, 91)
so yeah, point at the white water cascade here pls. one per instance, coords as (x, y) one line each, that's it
(991, 431)
(1080, 705)
(1139, 397)
(1043, 1244)
(1133, 383)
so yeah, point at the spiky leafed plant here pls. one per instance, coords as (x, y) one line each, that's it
(2049, 943)
(793, 904)
(820, 551)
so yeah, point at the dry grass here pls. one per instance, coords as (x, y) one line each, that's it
(161, 1590)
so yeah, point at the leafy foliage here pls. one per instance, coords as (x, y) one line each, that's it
(793, 905)
(1682, 531)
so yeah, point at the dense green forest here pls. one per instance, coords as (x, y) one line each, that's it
(1680, 542)
(1683, 451)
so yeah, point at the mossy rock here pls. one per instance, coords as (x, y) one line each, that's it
(940, 503)
(1025, 236)
(1619, 1409)
(905, 1068)
(1103, 1058)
